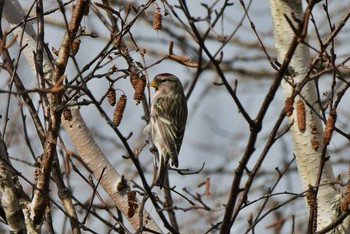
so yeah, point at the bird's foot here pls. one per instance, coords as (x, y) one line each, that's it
(153, 149)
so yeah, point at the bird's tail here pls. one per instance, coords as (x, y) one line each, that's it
(162, 167)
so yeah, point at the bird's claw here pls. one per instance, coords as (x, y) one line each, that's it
(153, 149)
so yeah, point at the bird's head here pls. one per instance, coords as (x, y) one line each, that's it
(166, 82)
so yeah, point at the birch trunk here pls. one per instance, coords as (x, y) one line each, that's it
(306, 131)
(86, 146)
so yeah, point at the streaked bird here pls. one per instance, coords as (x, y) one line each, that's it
(167, 121)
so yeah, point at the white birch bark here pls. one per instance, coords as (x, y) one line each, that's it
(308, 154)
(79, 133)
(8, 199)
(14, 14)
(96, 161)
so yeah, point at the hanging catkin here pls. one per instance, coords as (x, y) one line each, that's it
(75, 46)
(119, 110)
(330, 124)
(301, 116)
(139, 85)
(111, 96)
(157, 19)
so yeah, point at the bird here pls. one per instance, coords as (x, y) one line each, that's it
(168, 116)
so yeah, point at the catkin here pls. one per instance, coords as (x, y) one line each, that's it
(329, 127)
(76, 46)
(133, 79)
(313, 128)
(119, 110)
(139, 85)
(111, 96)
(301, 116)
(132, 204)
(288, 106)
(314, 143)
(139, 89)
(157, 19)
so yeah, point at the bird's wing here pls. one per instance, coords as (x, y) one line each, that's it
(172, 122)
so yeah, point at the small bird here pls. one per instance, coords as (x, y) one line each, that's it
(167, 124)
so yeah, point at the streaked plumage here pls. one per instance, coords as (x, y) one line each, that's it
(168, 121)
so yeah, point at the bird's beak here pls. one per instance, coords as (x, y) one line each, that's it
(154, 84)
